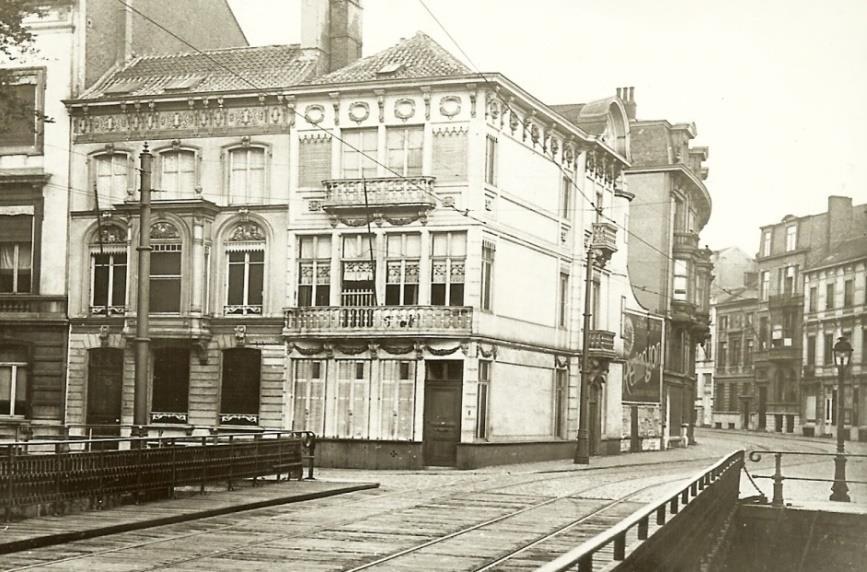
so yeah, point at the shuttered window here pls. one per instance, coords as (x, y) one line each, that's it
(396, 399)
(353, 404)
(309, 396)
(450, 155)
(314, 161)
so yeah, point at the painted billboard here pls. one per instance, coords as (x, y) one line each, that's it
(642, 345)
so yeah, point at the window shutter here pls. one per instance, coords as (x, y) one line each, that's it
(450, 155)
(314, 158)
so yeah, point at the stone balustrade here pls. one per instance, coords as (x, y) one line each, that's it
(33, 304)
(385, 320)
(413, 192)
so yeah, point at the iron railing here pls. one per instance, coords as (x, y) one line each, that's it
(54, 473)
(701, 485)
(779, 478)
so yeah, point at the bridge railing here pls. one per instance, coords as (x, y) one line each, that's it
(841, 483)
(720, 479)
(52, 473)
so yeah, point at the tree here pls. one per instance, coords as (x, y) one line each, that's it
(16, 43)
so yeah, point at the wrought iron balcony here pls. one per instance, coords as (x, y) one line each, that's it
(600, 344)
(604, 241)
(410, 193)
(379, 320)
(786, 300)
(685, 241)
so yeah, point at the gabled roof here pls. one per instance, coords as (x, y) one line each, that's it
(416, 57)
(210, 71)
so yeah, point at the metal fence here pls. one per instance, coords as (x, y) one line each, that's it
(54, 473)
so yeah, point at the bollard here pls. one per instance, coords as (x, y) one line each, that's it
(778, 480)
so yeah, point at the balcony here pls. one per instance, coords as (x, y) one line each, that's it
(380, 320)
(784, 353)
(790, 299)
(685, 241)
(414, 194)
(30, 306)
(604, 241)
(600, 344)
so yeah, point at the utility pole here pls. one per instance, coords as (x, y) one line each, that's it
(142, 341)
(582, 448)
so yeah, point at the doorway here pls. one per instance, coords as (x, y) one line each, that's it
(442, 412)
(746, 422)
(104, 389)
(763, 407)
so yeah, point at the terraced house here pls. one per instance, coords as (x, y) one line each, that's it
(387, 250)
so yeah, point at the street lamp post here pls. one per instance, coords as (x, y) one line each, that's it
(582, 447)
(842, 356)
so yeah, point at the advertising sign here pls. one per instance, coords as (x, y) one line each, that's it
(642, 344)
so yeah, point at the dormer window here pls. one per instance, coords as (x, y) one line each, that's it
(791, 237)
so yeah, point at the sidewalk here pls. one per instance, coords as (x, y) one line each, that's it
(50, 530)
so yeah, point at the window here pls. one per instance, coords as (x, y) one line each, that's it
(14, 381)
(448, 260)
(563, 296)
(848, 293)
(487, 275)
(595, 303)
(16, 253)
(111, 178)
(681, 279)
(830, 406)
(788, 277)
(402, 253)
(829, 296)
(171, 385)
(21, 122)
(735, 357)
(359, 153)
(811, 350)
(765, 286)
(723, 323)
(561, 402)
(177, 174)
(766, 243)
(246, 282)
(722, 355)
(396, 399)
(405, 146)
(309, 396)
(827, 355)
(566, 199)
(718, 396)
(733, 396)
(353, 405)
(449, 155)
(748, 353)
(814, 296)
(763, 333)
(491, 160)
(314, 270)
(108, 283)
(165, 278)
(358, 271)
(483, 399)
(791, 237)
(246, 175)
(679, 218)
(239, 397)
(314, 159)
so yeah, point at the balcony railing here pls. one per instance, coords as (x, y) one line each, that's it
(781, 353)
(54, 306)
(785, 300)
(396, 320)
(604, 239)
(685, 240)
(107, 310)
(410, 192)
(600, 343)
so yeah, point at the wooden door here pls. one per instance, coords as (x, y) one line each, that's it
(442, 412)
(104, 387)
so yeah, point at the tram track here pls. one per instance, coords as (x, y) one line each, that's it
(456, 491)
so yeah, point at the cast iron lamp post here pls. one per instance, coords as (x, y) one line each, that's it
(842, 356)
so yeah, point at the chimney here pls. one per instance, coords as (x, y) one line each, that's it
(334, 28)
(840, 221)
(627, 95)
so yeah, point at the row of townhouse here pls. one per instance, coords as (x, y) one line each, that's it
(774, 338)
(389, 251)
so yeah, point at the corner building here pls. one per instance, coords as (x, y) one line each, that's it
(422, 308)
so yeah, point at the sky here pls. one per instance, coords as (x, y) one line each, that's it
(776, 88)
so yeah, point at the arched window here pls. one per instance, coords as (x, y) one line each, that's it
(246, 168)
(239, 398)
(245, 257)
(14, 381)
(177, 174)
(111, 177)
(165, 275)
(108, 271)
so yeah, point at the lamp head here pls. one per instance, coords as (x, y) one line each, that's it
(842, 351)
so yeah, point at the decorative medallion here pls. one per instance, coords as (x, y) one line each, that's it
(314, 114)
(314, 205)
(111, 235)
(246, 231)
(164, 230)
(404, 108)
(359, 111)
(450, 105)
